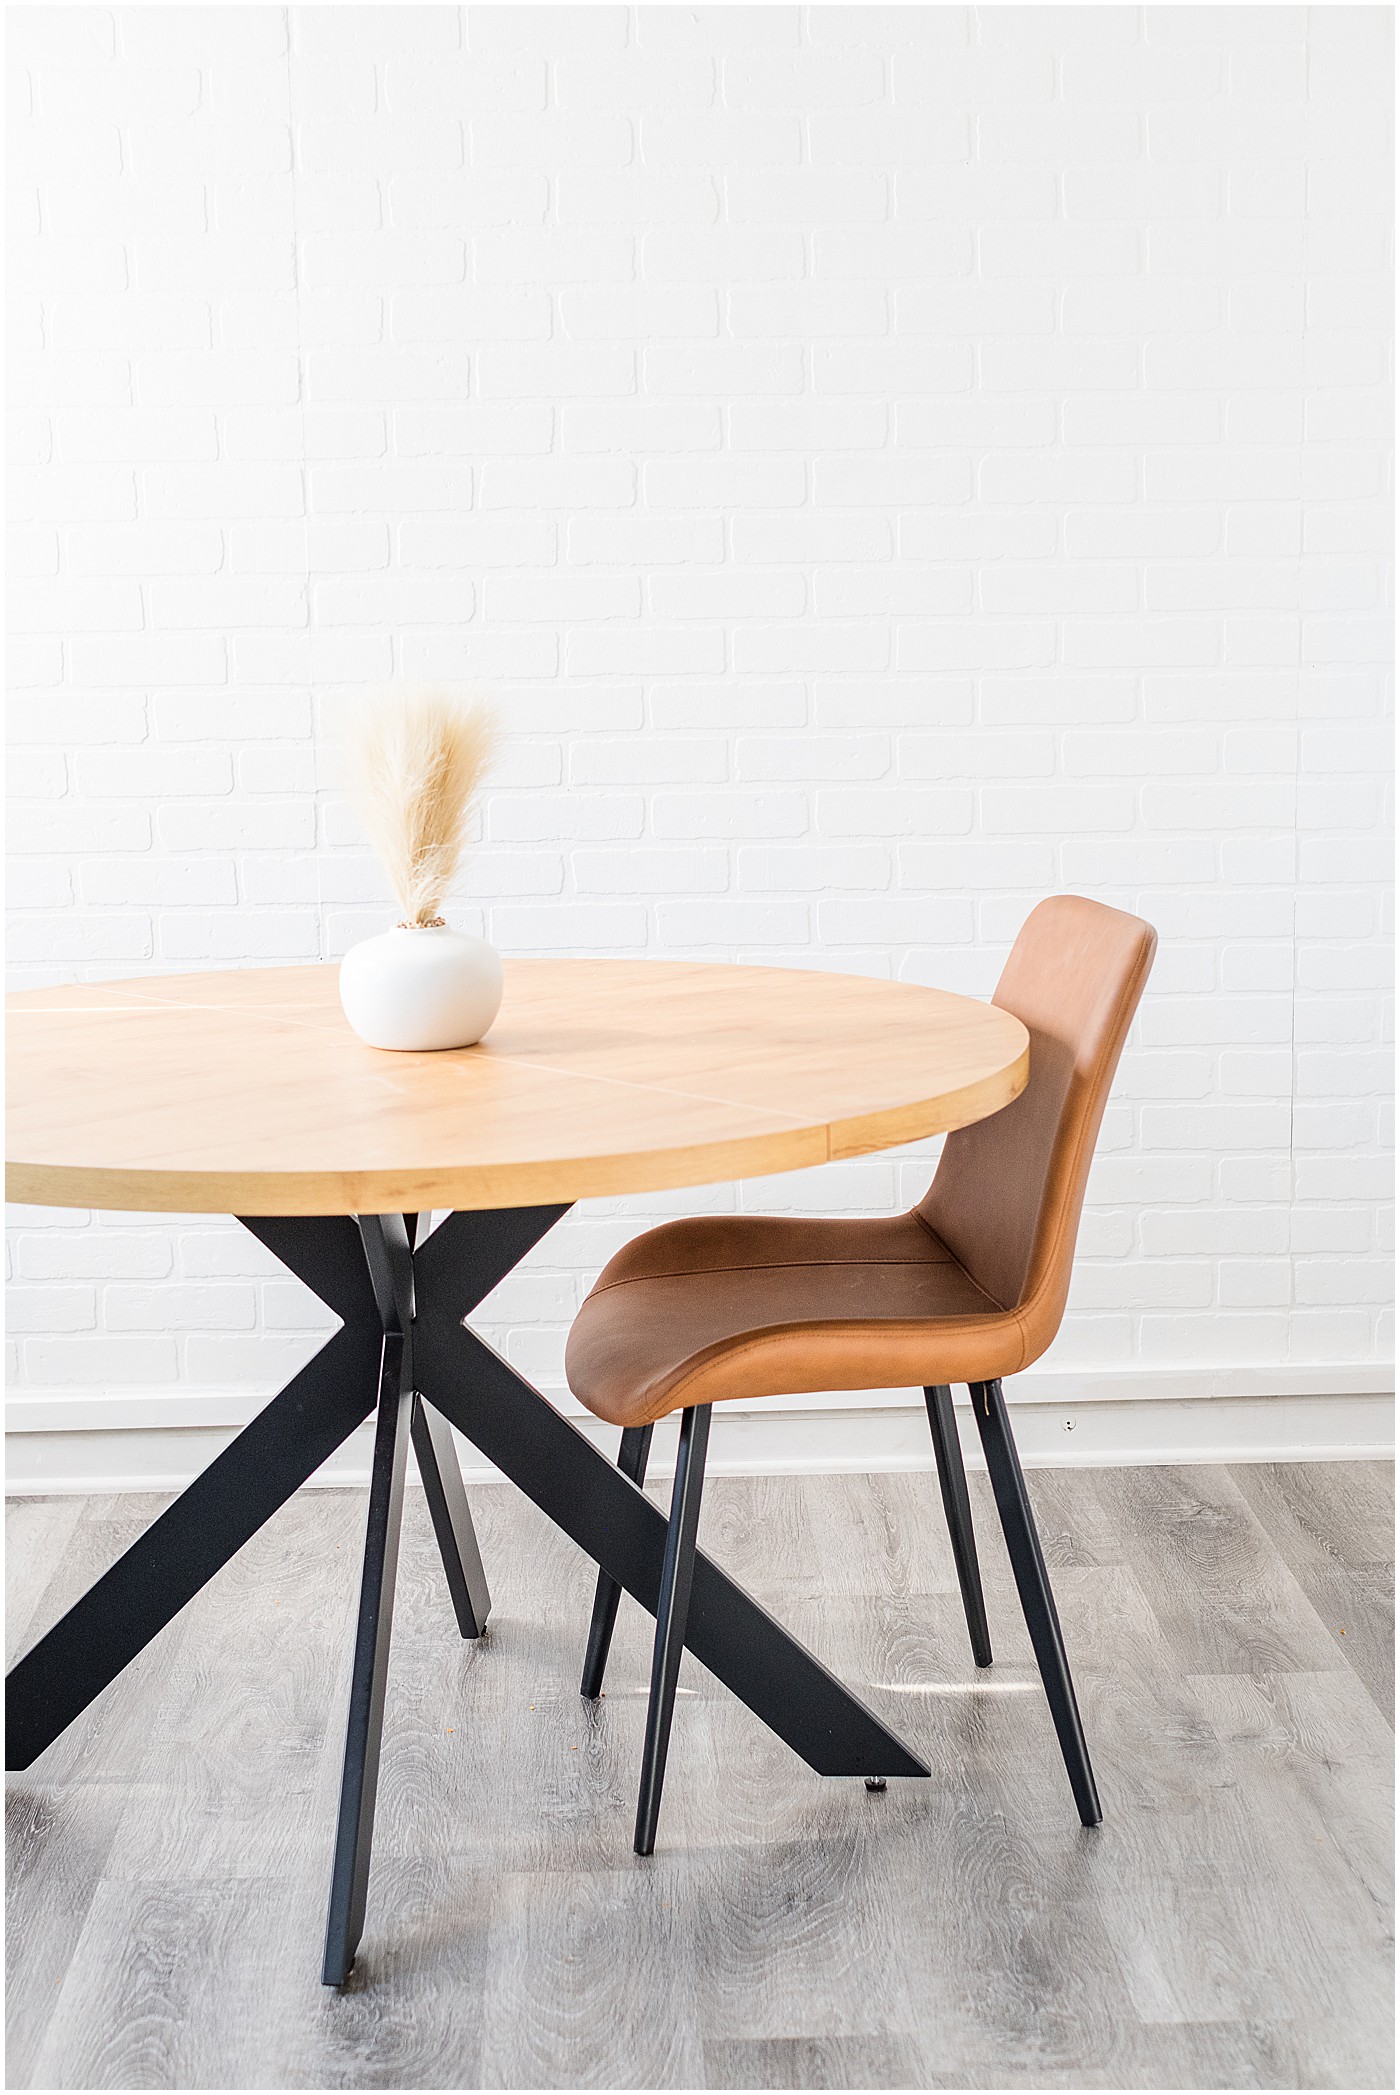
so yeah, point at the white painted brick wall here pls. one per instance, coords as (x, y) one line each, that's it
(889, 463)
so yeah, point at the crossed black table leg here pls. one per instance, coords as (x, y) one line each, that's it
(405, 1353)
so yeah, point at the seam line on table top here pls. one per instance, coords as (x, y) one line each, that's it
(664, 1091)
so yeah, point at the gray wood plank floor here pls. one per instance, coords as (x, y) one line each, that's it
(1228, 1926)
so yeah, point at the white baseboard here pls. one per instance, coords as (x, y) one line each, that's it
(1063, 1418)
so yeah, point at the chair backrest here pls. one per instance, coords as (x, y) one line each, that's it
(1008, 1191)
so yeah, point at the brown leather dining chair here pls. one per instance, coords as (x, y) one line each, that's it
(970, 1286)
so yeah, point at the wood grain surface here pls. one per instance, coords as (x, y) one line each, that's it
(1227, 1926)
(247, 1093)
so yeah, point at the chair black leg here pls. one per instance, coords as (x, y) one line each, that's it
(952, 1479)
(632, 1461)
(355, 1827)
(672, 1611)
(1033, 1584)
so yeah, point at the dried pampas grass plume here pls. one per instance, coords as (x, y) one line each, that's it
(414, 762)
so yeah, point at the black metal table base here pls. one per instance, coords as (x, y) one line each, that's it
(404, 1352)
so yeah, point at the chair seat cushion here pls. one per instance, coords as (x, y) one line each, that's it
(756, 1306)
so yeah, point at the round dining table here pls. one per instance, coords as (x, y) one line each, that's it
(246, 1093)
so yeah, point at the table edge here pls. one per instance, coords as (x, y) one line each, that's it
(543, 1182)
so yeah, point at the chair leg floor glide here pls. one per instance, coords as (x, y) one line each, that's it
(1033, 1585)
(672, 1614)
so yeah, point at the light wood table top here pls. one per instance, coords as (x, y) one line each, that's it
(246, 1092)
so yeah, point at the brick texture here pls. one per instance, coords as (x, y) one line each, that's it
(888, 464)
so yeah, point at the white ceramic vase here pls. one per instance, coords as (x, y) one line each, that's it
(421, 987)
